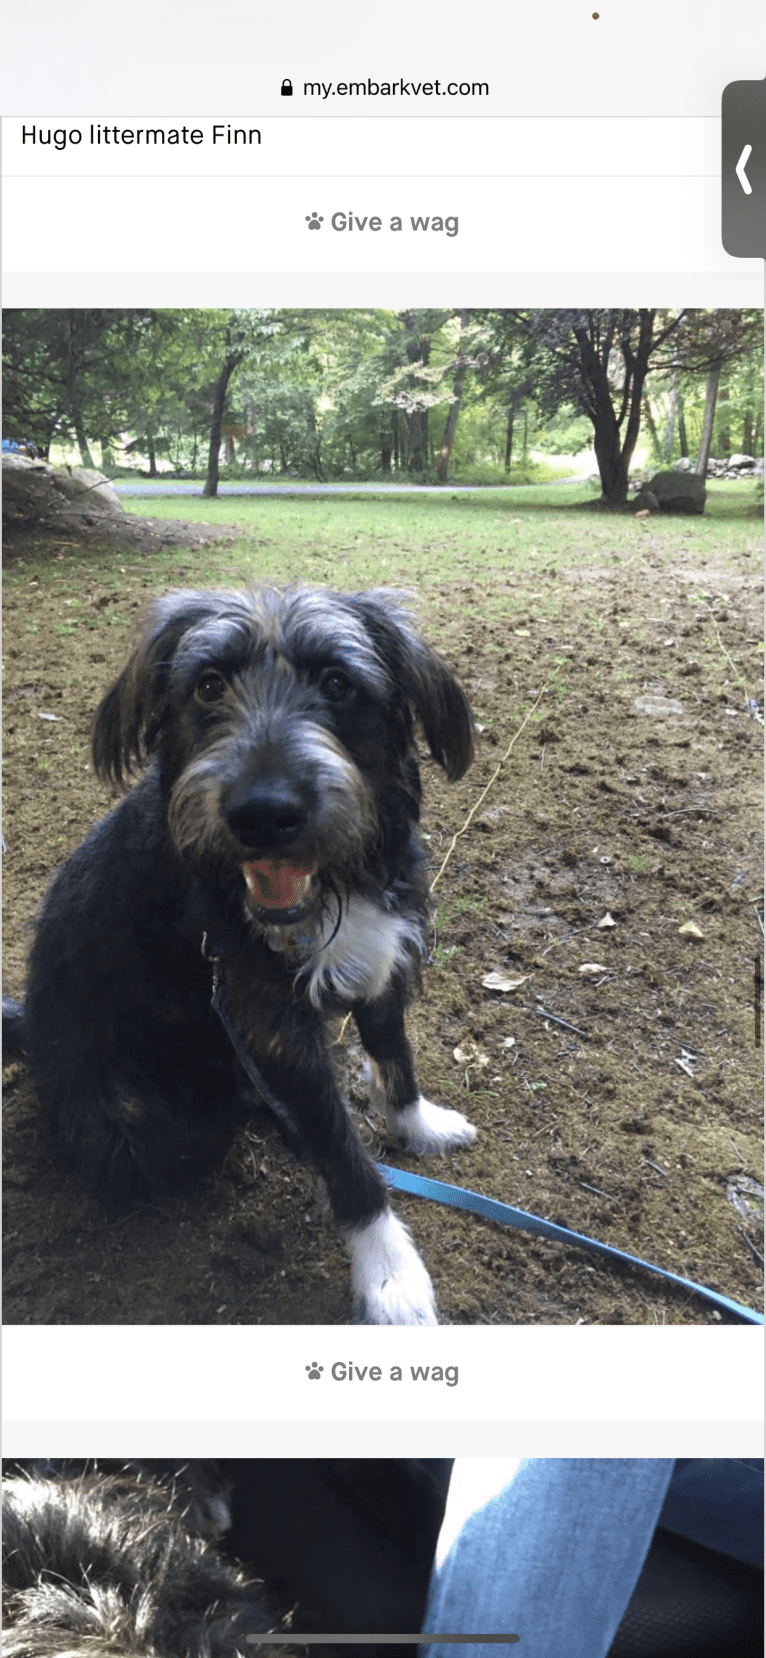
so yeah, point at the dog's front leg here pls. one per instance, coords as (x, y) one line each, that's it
(419, 1125)
(389, 1281)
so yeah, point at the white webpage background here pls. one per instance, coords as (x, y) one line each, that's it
(588, 176)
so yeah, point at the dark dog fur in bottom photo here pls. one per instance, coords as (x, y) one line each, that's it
(163, 1559)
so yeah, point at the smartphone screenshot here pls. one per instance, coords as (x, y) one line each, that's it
(383, 433)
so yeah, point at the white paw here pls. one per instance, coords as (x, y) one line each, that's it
(424, 1127)
(390, 1282)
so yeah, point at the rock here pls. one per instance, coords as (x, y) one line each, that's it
(672, 492)
(661, 708)
(737, 466)
(88, 489)
(646, 501)
(43, 501)
(35, 492)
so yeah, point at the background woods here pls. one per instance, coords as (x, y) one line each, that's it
(425, 396)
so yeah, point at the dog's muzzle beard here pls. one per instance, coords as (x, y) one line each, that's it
(293, 831)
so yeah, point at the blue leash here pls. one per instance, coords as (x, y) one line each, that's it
(459, 1197)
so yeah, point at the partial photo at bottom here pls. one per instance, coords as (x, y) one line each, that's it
(588, 1557)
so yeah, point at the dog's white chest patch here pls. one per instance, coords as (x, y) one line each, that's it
(357, 962)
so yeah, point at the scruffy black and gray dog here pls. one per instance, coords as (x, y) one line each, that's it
(113, 1567)
(217, 1559)
(274, 831)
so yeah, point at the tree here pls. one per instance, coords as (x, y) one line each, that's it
(599, 360)
(461, 366)
(710, 343)
(231, 361)
(59, 375)
(233, 336)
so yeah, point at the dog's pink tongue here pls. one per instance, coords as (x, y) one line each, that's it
(276, 886)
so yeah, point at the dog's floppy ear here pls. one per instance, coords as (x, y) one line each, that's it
(442, 708)
(431, 689)
(130, 715)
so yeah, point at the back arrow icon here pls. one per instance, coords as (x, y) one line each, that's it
(740, 170)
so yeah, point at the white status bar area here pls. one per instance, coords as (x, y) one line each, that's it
(559, 59)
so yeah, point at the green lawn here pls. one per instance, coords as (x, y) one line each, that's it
(516, 534)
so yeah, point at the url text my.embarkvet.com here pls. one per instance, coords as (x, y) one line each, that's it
(394, 89)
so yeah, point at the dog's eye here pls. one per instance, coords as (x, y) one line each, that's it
(334, 686)
(211, 687)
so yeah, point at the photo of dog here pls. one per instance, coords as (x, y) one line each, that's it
(270, 849)
(111, 1566)
(205, 1559)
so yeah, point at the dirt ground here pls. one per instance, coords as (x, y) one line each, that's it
(615, 1080)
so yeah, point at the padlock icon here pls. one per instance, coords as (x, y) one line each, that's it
(287, 88)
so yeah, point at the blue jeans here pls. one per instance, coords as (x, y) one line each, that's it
(556, 1556)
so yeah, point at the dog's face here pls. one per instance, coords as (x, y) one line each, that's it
(282, 724)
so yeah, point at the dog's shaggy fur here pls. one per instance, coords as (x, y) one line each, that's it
(115, 1559)
(275, 820)
(97, 1567)
(200, 1490)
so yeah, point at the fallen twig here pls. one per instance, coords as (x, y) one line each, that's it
(597, 1190)
(565, 1022)
(722, 645)
(565, 940)
(750, 1245)
(485, 791)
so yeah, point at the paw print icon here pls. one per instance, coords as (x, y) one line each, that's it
(314, 220)
(314, 1371)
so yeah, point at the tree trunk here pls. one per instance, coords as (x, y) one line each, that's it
(82, 441)
(707, 423)
(613, 457)
(682, 438)
(216, 421)
(509, 439)
(442, 459)
(723, 446)
(606, 432)
(653, 433)
(417, 422)
(418, 349)
(671, 417)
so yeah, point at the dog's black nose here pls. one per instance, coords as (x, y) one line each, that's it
(266, 813)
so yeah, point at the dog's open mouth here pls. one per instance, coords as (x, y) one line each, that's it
(278, 888)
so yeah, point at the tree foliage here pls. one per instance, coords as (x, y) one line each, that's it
(353, 394)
